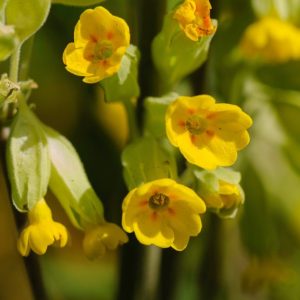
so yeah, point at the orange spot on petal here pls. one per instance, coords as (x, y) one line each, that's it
(110, 35)
(171, 211)
(154, 216)
(93, 39)
(181, 123)
(191, 111)
(193, 138)
(143, 203)
(210, 133)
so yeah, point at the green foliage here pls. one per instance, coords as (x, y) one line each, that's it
(145, 160)
(27, 17)
(124, 85)
(155, 114)
(70, 184)
(77, 2)
(27, 160)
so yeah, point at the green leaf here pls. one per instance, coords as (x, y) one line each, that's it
(77, 2)
(145, 160)
(2, 7)
(27, 17)
(8, 41)
(70, 184)
(27, 160)
(123, 85)
(155, 110)
(172, 60)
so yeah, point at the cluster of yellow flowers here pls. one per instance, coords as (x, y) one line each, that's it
(208, 134)
(272, 40)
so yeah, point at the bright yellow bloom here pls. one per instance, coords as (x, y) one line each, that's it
(163, 213)
(105, 236)
(272, 40)
(208, 134)
(42, 231)
(193, 17)
(226, 197)
(100, 41)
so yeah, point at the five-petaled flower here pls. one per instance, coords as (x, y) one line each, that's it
(272, 40)
(163, 213)
(194, 19)
(208, 134)
(42, 231)
(100, 42)
(102, 237)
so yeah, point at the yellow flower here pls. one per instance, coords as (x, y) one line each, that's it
(100, 41)
(42, 231)
(208, 134)
(193, 17)
(105, 236)
(226, 197)
(163, 213)
(272, 40)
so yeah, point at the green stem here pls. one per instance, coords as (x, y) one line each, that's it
(150, 275)
(131, 119)
(14, 65)
(25, 58)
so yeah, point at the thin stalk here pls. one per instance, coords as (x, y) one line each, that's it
(151, 267)
(26, 58)
(14, 65)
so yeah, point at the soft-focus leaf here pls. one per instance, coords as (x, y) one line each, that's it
(27, 160)
(8, 41)
(155, 110)
(27, 17)
(123, 85)
(77, 2)
(70, 184)
(145, 160)
(172, 3)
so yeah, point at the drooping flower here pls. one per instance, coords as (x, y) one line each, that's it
(193, 17)
(272, 40)
(163, 213)
(102, 237)
(42, 231)
(208, 134)
(225, 199)
(100, 42)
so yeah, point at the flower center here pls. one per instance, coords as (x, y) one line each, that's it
(103, 50)
(195, 125)
(158, 201)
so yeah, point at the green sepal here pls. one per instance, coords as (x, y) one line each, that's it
(155, 110)
(171, 4)
(145, 160)
(77, 2)
(8, 41)
(27, 159)
(69, 183)
(124, 84)
(172, 60)
(27, 17)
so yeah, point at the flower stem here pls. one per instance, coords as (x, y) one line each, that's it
(150, 275)
(14, 65)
